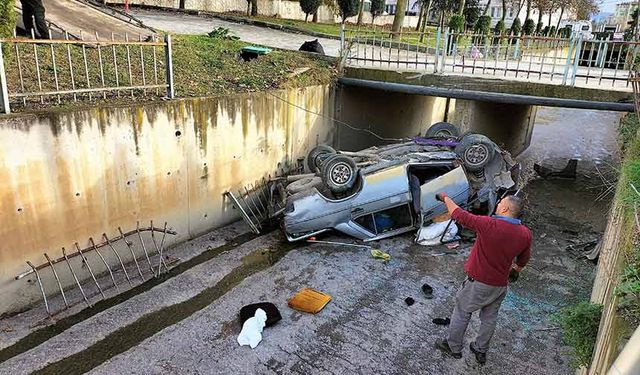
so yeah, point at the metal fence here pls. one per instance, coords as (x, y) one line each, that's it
(51, 71)
(573, 61)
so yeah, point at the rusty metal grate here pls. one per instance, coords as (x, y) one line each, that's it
(99, 258)
(258, 204)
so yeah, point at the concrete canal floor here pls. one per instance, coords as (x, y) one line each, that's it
(188, 324)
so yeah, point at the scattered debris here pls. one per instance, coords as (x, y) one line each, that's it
(427, 290)
(297, 72)
(380, 255)
(313, 240)
(441, 321)
(453, 245)
(409, 301)
(309, 300)
(312, 46)
(251, 333)
(589, 249)
(273, 314)
(249, 53)
(437, 233)
(568, 172)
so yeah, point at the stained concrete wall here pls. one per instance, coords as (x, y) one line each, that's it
(509, 125)
(70, 175)
(389, 115)
(399, 115)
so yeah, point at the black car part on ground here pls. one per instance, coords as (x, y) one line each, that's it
(475, 150)
(339, 173)
(442, 130)
(318, 155)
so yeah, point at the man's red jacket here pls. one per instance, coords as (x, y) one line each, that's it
(499, 241)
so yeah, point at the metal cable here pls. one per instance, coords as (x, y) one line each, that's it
(341, 122)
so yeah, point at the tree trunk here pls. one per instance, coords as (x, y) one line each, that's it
(426, 15)
(254, 7)
(550, 13)
(420, 16)
(315, 17)
(248, 8)
(528, 10)
(539, 17)
(461, 8)
(559, 19)
(486, 8)
(306, 17)
(504, 10)
(360, 12)
(398, 19)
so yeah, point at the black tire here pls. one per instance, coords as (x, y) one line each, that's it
(442, 130)
(476, 151)
(303, 184)
(317, 155)
(339, 173)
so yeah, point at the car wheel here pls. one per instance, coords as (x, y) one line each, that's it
(476, 151)
(303, 184)
(318, 155)
(442, 130)
(339, 173)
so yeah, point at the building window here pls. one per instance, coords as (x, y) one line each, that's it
(510, 12)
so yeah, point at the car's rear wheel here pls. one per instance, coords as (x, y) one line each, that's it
(442, 130)
(476, 151)
(318, 155)
(339, 173)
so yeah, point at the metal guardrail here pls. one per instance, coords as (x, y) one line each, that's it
(572, 62)
(57, 70)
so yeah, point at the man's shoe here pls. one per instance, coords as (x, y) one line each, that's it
(480, 356)
(443, 345)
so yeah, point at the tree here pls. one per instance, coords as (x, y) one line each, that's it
(516, 27)
(584, 9)
(632, 29)
(347, 8)
(472, 12)
(483, 26)
(539, 27)
(456, 23)
(562, 4)
(499, 29)
(360, 13)
(504, 12)
(7, 18)
(377, 7)
(398, 18)
(529, 27)
(427, 5)
(252, 8)
(309, 7)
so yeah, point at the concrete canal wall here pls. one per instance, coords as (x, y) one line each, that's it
(68, 175)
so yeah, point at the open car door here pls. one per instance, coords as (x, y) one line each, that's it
(453, 183)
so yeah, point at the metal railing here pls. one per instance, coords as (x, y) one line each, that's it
(573, 61)
(54, 71)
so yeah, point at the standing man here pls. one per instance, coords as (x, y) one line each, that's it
(500, 240)
(31, 9)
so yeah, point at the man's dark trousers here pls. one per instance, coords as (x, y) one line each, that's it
(31, 9)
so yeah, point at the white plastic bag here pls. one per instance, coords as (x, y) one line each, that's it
(251, 333)
(430, 235)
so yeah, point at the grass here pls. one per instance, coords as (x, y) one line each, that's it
(628, 289)
(333, 29)
(203, 66)
(580, 325)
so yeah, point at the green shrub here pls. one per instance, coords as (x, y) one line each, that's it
(7, 18)
(552, 31)
(348, 8)
(309, 7)
(222, 33)
(580, 325)
(516, 27)
(545, 31)
(483, 26)
(539, 27)
(499, 29)
(529, 27)
(456, 23)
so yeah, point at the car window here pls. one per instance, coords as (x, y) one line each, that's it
(386, 220)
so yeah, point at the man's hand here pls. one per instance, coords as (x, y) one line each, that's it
(441, 196)
(513, 275)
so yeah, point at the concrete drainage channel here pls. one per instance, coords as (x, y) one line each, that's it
(122, 339)
(41, 335)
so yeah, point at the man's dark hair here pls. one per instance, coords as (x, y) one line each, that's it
(516, 204)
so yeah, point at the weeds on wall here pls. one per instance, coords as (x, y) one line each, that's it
(628, 289)
(7, 18)
(579, 325)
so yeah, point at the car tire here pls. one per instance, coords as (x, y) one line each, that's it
(476, 151)
(318, 155)
(303, 184)
(339, 173)
(442, 130)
